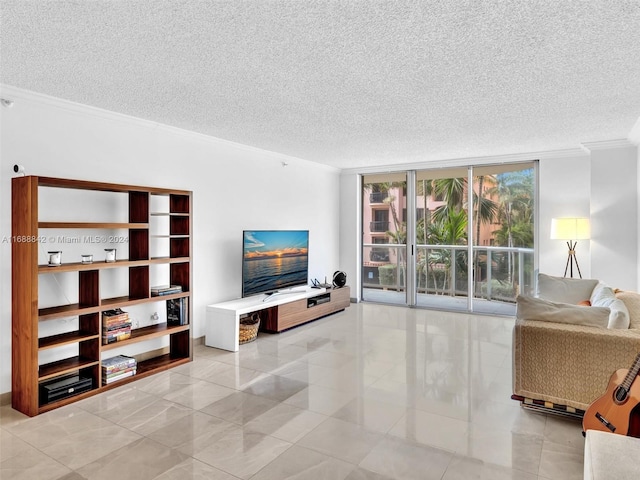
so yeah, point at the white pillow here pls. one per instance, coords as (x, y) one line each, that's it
(603, 296)
(530, 308)
(565, 290)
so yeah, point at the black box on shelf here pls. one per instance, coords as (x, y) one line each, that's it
(63, 387)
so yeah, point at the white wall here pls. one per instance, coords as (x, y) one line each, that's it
(564, 191)
(234, 188)
(614, 213)
(351, 204)
(601, 184)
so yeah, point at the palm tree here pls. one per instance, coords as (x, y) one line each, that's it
(515, 212)
(485, 211)
(449, 231)
(425, 189)
(452, 191)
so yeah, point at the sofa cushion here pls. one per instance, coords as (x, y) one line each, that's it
(609, 455)
(632, 302)
(530, 308)
(565, 290)
(603, 296)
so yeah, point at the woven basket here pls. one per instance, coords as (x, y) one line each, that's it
(249, 328)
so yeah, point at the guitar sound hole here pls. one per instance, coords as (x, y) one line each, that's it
(620, 394)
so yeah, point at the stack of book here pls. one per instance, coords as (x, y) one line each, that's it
(165, 290)
(116, 326)
(117, 368)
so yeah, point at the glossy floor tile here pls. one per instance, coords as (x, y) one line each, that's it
(372, 393)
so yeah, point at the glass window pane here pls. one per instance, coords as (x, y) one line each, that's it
(504, 206)
(384, 238)
(441, 238)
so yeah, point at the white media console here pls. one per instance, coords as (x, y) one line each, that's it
(277, 312)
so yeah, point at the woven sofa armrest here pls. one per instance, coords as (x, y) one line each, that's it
(568, 364)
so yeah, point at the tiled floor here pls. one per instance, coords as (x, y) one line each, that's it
(374, 392)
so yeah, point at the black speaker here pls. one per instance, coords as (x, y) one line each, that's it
(339, 279)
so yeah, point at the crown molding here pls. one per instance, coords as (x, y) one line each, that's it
(19, 95)
(607, 144)
(464, 162)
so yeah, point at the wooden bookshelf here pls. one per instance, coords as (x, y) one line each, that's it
(28, 316)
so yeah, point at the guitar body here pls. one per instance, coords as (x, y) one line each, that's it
(610, 414)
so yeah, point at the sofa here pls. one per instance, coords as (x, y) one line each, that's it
(564, 353)
(607, 456)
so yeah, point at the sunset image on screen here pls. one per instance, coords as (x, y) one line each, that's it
(274, 259)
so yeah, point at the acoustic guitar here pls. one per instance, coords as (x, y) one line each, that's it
(612, 412)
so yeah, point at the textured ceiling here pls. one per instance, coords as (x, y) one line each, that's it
(346, 83)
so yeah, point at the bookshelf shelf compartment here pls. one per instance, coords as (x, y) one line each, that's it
(63, 311)
(62, 367)
(99, 265)
(69, 338)
(27, 317)
(65, 401)
(147, 333)
(149, 367)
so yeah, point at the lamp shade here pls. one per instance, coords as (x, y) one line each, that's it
(570, 229)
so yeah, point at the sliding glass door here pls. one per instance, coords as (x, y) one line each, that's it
(503, 236)
(384, 237)
(455, 239)
(441, 242)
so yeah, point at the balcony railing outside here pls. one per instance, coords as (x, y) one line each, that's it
(379, 255)
(377, 197)
(378, 227)
(501, 272)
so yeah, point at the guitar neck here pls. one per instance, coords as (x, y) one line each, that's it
(632, 373)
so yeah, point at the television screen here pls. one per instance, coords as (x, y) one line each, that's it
(273, 260)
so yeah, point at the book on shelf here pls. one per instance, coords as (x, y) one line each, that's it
(118, 370)
(109, 339)
(118, 367)
(119, 373)
(116, 331)
(107, 381)
(165, 290)
(115, 326)
(177, 311)
(115, 316)
(118, 361)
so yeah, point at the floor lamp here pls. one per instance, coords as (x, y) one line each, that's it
(571, 230)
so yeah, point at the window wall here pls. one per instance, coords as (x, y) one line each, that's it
(457, 238)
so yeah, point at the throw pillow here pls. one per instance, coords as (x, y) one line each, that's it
(530, 308)
(632, 302)
(603, 296)
(565, 290)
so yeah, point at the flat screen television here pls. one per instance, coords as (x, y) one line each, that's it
(273, 260)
